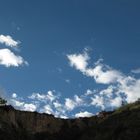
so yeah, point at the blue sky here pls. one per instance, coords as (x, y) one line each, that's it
(79, 56)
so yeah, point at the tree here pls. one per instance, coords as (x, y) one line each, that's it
(2, 101)
(123, 103)
(138, 101)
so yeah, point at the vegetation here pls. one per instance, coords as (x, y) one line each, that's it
(120, 124)
(2, 101)
(128, 107)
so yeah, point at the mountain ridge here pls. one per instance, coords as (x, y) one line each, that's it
(121, 124)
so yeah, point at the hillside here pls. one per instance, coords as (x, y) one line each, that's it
(121, 124)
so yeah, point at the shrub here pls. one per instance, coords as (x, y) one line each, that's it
(2, 101)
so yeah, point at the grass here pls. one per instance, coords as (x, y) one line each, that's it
(128, 107)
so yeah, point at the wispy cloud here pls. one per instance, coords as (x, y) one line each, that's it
(67, 81)
(136, 71)
(9, 41)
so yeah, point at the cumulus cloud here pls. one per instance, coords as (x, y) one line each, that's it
(106, 99)
(83, 114)
(29, 107)
(101, 73)
(98, 101)
(126, 90)
(49, 96)
(47, 109)
(120, 87)
(116, 102)
(49, 103)
(22, 105)
(57, 105)
(8, 41)
(69, 104)
(79, 61)
(78, 100)
(108, 91)
(130, 87)
(8, 58)
(17, 103)
(89, 92)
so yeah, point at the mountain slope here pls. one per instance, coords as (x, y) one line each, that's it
(121, 124)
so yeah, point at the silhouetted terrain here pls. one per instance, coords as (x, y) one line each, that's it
(121, 124)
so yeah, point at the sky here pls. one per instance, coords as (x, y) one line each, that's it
(69, 58)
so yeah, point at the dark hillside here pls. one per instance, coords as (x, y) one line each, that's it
(122, 124)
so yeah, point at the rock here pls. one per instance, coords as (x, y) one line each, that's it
(122, 124)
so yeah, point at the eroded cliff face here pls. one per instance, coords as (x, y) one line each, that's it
(123, 124)
(32, 122)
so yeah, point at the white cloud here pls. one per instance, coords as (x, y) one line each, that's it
(108, 91)
(57, 105)
(107, 98)
(63, 117)
(59, 108)
(126, 90)
(98, 101)
(101, 73)
(47, 109)
(16, 103)
(90, 92)
(124, 85)
(118, 88)
(44, 97)
(116, 102)
(69, 104)
(21, 104)
(83, 114)
(8, 58)
(136, 71)
(78, 100)
(37, 96)
(79, 61)
(14, 95)
(8, 41)
(51, 96)
(131, 88)
(29, 107)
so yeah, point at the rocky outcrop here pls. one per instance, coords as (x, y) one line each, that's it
(122, 124)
